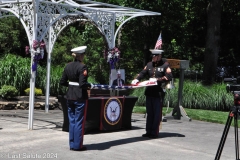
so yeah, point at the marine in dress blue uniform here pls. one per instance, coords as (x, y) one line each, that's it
(75, 77)
(159, 71)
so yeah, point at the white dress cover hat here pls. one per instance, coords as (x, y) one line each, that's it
(156, 51)
(79, 49)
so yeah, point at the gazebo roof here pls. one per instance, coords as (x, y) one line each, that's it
(104, 15)
(93, 5)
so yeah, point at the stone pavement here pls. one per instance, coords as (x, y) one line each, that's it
(178, 140)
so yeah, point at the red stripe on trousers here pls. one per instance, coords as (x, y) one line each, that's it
(85, 116)
(101, 115)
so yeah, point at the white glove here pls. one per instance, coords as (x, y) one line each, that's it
(135, 81)
(153, 79)
(168, 70)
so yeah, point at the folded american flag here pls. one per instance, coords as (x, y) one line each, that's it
(109, 87)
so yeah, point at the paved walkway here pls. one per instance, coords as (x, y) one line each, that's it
(178, 140)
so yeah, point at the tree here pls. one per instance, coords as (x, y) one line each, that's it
(212, 41)
(78, 34)
(13, 37)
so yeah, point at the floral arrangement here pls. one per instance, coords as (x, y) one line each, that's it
(37, 53)
(113, 56)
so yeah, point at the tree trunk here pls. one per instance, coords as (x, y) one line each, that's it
(212, 41)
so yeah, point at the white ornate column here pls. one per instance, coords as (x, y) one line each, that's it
(35, 4)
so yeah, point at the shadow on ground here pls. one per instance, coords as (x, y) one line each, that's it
(109, 144)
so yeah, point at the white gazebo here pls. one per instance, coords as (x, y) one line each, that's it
(43, 21)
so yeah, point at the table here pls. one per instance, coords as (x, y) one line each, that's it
(105, 113)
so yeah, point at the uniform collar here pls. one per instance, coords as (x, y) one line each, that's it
(75, 60)
(157, 63)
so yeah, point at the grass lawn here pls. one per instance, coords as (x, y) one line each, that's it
(195, 114)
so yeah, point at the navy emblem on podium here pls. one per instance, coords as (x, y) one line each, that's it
(113, 111)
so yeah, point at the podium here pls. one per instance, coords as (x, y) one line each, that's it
(178, 111)
(109, 113)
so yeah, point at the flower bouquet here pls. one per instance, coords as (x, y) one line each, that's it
(37, 53)
(113, 56)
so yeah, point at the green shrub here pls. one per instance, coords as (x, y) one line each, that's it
(194, 96)
(14, 71)
(139, 92)
(38, 92)
(55, 87)
(92, 80)
(8, 92)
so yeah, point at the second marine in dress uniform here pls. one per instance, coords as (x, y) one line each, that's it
(158, 71)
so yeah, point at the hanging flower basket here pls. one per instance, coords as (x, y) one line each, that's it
(37, 53)
(113, 57)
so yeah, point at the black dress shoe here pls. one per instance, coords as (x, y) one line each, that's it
(153, 136)
(146, 135)
(81, 149)
(65, 129)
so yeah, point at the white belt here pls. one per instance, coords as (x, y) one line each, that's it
(73, 83)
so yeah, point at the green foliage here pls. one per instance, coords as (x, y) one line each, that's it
(206, 115)
(55, 87)
(196, 114)
(13, 38)
(38, 92)
(94, 59)
(139, 109)
(92, 80)
(194, 96)
(55, 76)
(15, 71)
(80, 34)
(8, 92)
(69, 38)
(139, 92)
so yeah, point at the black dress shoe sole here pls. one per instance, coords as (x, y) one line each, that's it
(146, 135)
(82, 149)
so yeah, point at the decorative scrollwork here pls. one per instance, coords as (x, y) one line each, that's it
(105, 22)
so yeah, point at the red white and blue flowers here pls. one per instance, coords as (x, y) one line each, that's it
(37, 53)
(113, 56)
